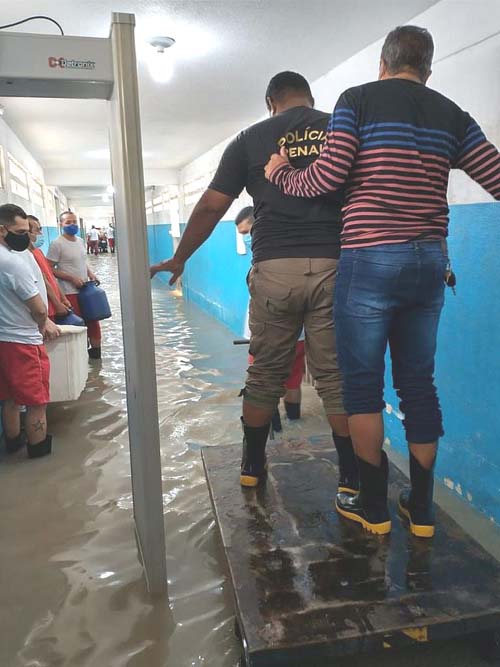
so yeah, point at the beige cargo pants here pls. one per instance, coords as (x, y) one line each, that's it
(287, 295)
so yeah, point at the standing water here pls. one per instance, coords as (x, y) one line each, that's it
(72, 590)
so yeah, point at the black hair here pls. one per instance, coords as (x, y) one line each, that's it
(408, 47)
(61, 216)
(284, 83)
(244, 214)
(9, 213)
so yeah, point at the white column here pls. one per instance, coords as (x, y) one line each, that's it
(135, 294)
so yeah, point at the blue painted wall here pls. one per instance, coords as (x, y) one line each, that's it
(215, 278)
(50, 233)
(468, 359)
(468, 362)
(160, 246)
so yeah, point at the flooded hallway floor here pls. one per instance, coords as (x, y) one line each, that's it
(72, 590)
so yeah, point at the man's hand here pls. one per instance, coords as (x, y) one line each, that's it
(77, 282)
(50, 331)
(66, 302)
(61, 308)
(92, 276)
(276, 161)
(173, 265)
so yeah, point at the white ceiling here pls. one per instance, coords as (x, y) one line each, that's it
(226, 51)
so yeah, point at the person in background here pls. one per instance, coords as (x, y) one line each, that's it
(68, 260)
(111, 238)
(89, 247)
(58, 304)
(94, 240)
(24, 325)
(103, 241)
(244, 221)
(392, 143)
(295, 251)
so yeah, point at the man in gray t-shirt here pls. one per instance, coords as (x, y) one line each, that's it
(68, 257)
(24, 325)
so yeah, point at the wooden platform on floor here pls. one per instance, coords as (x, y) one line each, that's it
(310, 585)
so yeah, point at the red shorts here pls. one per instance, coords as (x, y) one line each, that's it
(93, 326)
(24, 374)
(298, 369)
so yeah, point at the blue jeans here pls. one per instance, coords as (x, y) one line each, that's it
(394, 294)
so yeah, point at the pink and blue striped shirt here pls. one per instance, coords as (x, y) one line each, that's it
(392, 144)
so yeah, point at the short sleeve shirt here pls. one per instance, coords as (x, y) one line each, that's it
(71, 257)
(32, 265)
(284, 226)
(41, 260)
(18, 284)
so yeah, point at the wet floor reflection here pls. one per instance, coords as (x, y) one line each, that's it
(72, 589)
(307, 580)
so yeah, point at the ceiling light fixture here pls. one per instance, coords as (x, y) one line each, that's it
(162, 43)
(160, 64)
(2, 110)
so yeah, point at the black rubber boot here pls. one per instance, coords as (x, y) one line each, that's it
(42, 448)
(415, 504)
(13, 445)
(253, 463)
(369, 506)
(348, 465)
(94, 352)
(292, 410)
(276, 421)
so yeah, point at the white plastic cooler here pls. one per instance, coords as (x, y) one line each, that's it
(69, 366)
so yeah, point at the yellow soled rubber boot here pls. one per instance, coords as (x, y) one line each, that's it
(369, 506)
(348, 465)
(253, 463)
(415, 504)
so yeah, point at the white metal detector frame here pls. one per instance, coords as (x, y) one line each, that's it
(22, 74)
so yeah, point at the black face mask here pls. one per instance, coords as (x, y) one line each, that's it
(18, 242)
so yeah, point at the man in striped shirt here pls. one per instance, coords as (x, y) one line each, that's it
(392, 144)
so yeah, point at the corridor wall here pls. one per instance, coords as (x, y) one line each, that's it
(10, 144)
(162, 216)
(467, 363)
(215, 279)
(466, 68)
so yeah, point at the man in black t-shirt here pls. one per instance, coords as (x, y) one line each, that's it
(295, 246)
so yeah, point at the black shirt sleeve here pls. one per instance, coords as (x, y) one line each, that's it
(231, 175)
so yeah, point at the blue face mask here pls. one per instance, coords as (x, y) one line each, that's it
(72, 230)
(247, 239)
(40, 240)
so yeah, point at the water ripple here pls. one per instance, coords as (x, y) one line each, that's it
(90, 607)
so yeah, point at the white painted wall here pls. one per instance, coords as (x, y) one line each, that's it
(466, 69)
(102, 176)
(10, 143)
(202, 170)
